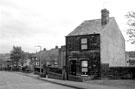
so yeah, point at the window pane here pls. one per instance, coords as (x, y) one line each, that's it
(83, 40)
(84, 46)
(84, 69)
(84, 63)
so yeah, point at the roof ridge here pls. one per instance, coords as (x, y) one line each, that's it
(97, 19)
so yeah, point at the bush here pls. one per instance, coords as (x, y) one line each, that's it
(55, 70)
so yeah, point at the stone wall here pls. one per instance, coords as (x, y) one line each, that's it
(54, 75)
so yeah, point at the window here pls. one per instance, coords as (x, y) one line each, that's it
(84, 44)
(33, 59)
(84, 67)
(131, 62)
(36, 58)
(37, 63)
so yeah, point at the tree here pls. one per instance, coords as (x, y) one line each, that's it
(16, 55)
(131, 23)
(24, 58)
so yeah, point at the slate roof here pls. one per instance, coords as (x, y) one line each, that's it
(89, 27)
(47, 55)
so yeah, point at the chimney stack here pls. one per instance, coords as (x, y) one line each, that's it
(56, 47)
(104, 16)
(44, 49)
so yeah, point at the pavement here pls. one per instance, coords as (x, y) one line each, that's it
(79, 85)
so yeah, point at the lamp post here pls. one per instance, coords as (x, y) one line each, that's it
(39, 57)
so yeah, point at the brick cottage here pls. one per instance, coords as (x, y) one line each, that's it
(94, 46)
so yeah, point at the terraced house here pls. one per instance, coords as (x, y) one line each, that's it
(47, 58)
(94, 46)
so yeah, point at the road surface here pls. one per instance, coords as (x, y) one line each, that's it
(12, 80)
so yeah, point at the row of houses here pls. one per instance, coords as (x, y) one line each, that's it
(54, 57)
(92, 48)
(7, 64)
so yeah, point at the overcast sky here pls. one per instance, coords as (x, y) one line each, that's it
(28, 23)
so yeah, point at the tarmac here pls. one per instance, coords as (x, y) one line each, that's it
(72, 84)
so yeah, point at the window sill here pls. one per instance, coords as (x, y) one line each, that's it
(84, 75)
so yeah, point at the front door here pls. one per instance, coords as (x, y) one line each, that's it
(73, 67)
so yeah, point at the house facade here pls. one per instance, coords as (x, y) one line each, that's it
(93, 45)
(62, 57)
(46, 58)
(34, 63)
(2, 64)
(130, 56)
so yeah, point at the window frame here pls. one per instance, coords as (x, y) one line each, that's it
(83, 67)
(37, 63)
(84, 43)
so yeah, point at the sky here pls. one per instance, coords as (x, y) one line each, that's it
(28, 23)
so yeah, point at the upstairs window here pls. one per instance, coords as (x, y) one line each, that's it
(32, 59)
(36, 58)
(84, 43)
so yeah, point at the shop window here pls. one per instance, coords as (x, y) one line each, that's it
(84, 44)
(84, 67)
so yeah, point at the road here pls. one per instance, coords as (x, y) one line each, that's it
(12, 80)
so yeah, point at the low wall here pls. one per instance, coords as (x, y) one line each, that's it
(106, 72)
(54, 75)
(74, 78)
(122, 73)
(55, 70)
(81, 78)
(37, 70)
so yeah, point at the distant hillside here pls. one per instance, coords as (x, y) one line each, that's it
(5, 57)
